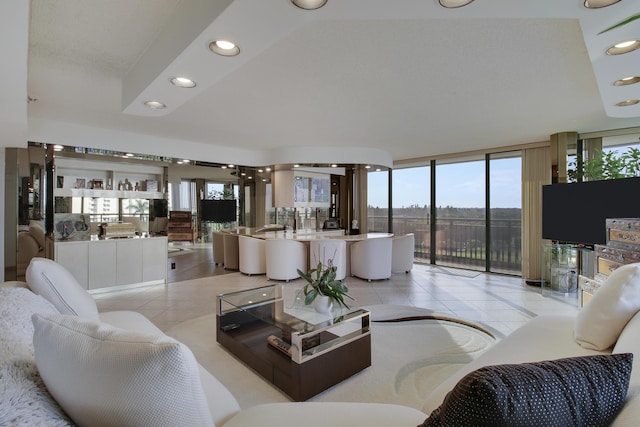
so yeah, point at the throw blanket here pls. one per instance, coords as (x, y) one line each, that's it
(24, 400)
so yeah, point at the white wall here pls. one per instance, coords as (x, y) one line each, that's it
(2, 207)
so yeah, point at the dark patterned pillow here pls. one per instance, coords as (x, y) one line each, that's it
(577, 391)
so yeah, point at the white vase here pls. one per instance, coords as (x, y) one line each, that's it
(323, 304)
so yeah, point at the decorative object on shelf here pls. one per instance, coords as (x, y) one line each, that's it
(70, 227)
(152, 185)
(321, 282)
(80, 183)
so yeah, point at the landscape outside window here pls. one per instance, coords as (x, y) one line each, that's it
(460, 215)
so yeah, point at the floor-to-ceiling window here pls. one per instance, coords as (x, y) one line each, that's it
(460, 214)
(378, 201)
(411, 196)
(505, 213)
(475, 219)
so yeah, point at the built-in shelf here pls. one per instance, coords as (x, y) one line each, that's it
(116, 194)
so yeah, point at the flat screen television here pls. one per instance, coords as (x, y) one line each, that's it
(577, 213)
(218, 210)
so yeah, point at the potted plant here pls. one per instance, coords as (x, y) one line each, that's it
(606, 165)
(323, 289)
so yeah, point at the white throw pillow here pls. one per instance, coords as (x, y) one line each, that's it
(602, 319)
(106, 376)
(53, 282)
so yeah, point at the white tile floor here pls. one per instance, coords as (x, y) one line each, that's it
(499, 303)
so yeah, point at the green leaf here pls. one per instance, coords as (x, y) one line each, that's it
(621, 23)
(313, 293)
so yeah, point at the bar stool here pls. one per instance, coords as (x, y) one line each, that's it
(284, 258)
(231, 251)
(371, 258)
(218, 248)
(403, 249)
(251, 253)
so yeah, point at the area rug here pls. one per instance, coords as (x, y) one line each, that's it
(409, 359)
(174, 251)
(457, 272)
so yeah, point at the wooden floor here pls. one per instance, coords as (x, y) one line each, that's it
(192, 262)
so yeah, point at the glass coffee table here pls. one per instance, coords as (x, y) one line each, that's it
(300, 351)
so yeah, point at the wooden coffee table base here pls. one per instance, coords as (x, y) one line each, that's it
(299, 381)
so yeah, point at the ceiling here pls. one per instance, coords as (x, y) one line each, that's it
(357, 81)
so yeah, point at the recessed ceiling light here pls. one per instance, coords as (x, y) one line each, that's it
(57, 147)
(250, 177)
(243, 174)
(155, 105)
(628, 102)
(309, 4)
(268, 169)
(223, 167)
(231, 166)
(623, 47)
(451, 4)
(183, 82)
(596, 4)
(260, 171)
(334, 165)
(129, 155)
(186, 160)
(627, 81)
(179, 162)
(224, 48)
(368, 167)
(296, 165)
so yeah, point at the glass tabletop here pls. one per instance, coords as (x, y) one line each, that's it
(283, 306)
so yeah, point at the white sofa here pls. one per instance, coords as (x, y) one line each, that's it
(113, 376)
(610, 319)
(30, 244)
(609, 323)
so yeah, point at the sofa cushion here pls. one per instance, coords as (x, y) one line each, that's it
(600, 322)
(544, 337)
(587, 390)
(105, 376)
(54, 282)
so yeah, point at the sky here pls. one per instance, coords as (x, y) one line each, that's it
(458, 185)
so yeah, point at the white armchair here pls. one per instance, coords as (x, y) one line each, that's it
(330, 249)
(284, 258)
(252, 257)
(30, 245)
(218, 248)
(403, 249)
(371, 258)
(231, 251)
